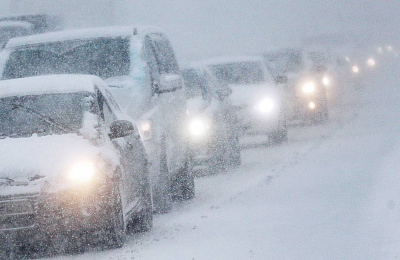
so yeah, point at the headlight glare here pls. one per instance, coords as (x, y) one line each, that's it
(266, 105)
(326, 81)
(81, 172)
(198, 127)
(309, 87)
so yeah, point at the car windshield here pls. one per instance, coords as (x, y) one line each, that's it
(41, 114)
(239, 72)
(103, 57)
(285, 62)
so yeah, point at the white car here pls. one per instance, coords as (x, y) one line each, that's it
(73, 168)
(306, 80)
(260, 104)
(140, 66)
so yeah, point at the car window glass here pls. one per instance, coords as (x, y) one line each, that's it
(103, 57)
(106, 114)
(164, 54)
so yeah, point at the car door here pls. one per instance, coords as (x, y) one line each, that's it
(172, 105)
(132, 162)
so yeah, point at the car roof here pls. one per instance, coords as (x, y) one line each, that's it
(82, 34)
(50, 84)
(232, 59)
(26, 25)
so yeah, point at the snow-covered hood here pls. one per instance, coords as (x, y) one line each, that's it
(246, 95)
(196, 105)
(27, 163)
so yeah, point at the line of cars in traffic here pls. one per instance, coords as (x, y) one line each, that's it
(100, 128)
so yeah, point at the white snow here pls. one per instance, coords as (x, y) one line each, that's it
(49, 84)
(331, 192)
(25, 25)
(49, 156)
(82, 34)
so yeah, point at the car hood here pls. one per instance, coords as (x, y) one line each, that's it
(27, 163)
(247, 95)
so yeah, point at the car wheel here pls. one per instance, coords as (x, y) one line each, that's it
(162, 199)
(144, 221)
(184, 187)
(115, 234)
(235, 158)
(278, 137)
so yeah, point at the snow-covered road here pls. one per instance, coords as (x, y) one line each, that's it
(331, 192)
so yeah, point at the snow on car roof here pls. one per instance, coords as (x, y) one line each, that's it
(49, 84)
(25, 25)
(232, 59)
(81, 34)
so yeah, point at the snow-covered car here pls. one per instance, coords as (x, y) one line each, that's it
(72, 166)
(212, 121)
(139, 65)
(305, 77)
(260, 104)
(22, 25)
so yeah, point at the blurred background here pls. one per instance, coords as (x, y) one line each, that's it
(200, 29)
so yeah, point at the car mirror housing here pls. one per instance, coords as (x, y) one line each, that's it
(121, 128)
(281, 79)
(169, 83)
(223, 93)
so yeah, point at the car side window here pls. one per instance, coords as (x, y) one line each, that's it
(164, 54)
(152, 64)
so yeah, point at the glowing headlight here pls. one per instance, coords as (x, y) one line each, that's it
(355, 69)
(312, 105)
(389, 48)
(309, 87)
(326, 81)
(198, 127)
(265, 106)
(82, 172)
(379, 50)
(371, 62)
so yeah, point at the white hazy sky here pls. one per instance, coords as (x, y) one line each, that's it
(202, 28)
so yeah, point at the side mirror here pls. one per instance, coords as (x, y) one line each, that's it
(169, 83)
(121, 128)
(281, 79)
(223, 93)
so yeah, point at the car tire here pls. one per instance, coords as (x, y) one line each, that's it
(278, 137)
(115, 233)
(235, 158)
(184, 187)
(143, 221)
(162, 198)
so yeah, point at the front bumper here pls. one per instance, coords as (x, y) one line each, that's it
(53, 213)
(254, 123)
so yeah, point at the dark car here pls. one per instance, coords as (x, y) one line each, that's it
(212, 122)
(73, 167)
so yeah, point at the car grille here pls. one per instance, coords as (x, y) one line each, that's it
(18, 212)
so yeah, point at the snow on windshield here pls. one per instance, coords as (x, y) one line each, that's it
(239, 73)
(103, 57)
(43, 115)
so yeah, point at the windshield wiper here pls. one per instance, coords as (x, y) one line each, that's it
(45, 118)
